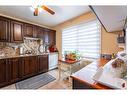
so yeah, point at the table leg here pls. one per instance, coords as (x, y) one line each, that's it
(69, 78)
(59, 68)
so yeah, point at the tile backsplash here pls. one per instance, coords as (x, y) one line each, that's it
(30, 44)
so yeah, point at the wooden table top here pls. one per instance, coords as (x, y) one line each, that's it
(68, 61)
(86, 74)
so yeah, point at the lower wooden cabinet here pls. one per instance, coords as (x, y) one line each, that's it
(16, 69)
(13, 69)
(3, 72)
(9, 71)
(43, 63)
(28, 67)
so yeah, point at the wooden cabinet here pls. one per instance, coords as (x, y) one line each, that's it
(16, 69)
(3, 72)
(28, 30)
(43, 63)
(50, 36)
(10, 30)
(46, 36)
(28, 66)
(9, 71)
(38, 33)
(16, 31)
(80, 85)
(33, 65)
(13, 69)
(24, 67)
(4, 29)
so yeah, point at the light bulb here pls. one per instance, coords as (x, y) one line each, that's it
(32, 8)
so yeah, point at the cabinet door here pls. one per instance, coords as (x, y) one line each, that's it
(40, 32)
(43, 63)
(33, 65)
(52, 37)
(35, 31)
(46, 36)
(16, 31)
(3, 72)
(4, 30)
(13, 69)
(24, 71)
(28, 66)
(28, 30)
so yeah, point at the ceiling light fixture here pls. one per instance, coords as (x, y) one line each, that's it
(32, 8)
(36, 9)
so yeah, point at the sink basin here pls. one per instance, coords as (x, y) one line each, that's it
(107, 79)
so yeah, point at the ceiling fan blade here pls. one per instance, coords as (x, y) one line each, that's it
(36, 12)
(48, 9)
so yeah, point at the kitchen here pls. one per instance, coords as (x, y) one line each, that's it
(31, 50)
(23, 53)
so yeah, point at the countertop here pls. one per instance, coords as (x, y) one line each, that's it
(86, 74)
(25, 55)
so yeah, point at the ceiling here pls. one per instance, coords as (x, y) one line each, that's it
(62, 14)
(112, 17)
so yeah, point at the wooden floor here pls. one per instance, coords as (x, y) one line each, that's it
(56, 84)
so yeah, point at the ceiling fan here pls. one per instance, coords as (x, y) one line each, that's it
(36, 10)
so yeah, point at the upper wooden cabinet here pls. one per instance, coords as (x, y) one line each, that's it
(28, 30)
(10, 31)
(4, 29)
(50, 36)
(16, 31)
(39, 32)
(46, 36)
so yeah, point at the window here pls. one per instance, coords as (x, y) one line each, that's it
(84, 38)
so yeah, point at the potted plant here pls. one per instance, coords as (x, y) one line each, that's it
(72, 55)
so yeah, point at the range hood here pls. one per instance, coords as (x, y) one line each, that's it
(111, 17)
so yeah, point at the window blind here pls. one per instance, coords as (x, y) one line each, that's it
(84, 37)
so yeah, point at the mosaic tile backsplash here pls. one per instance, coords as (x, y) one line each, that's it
(30, 44)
